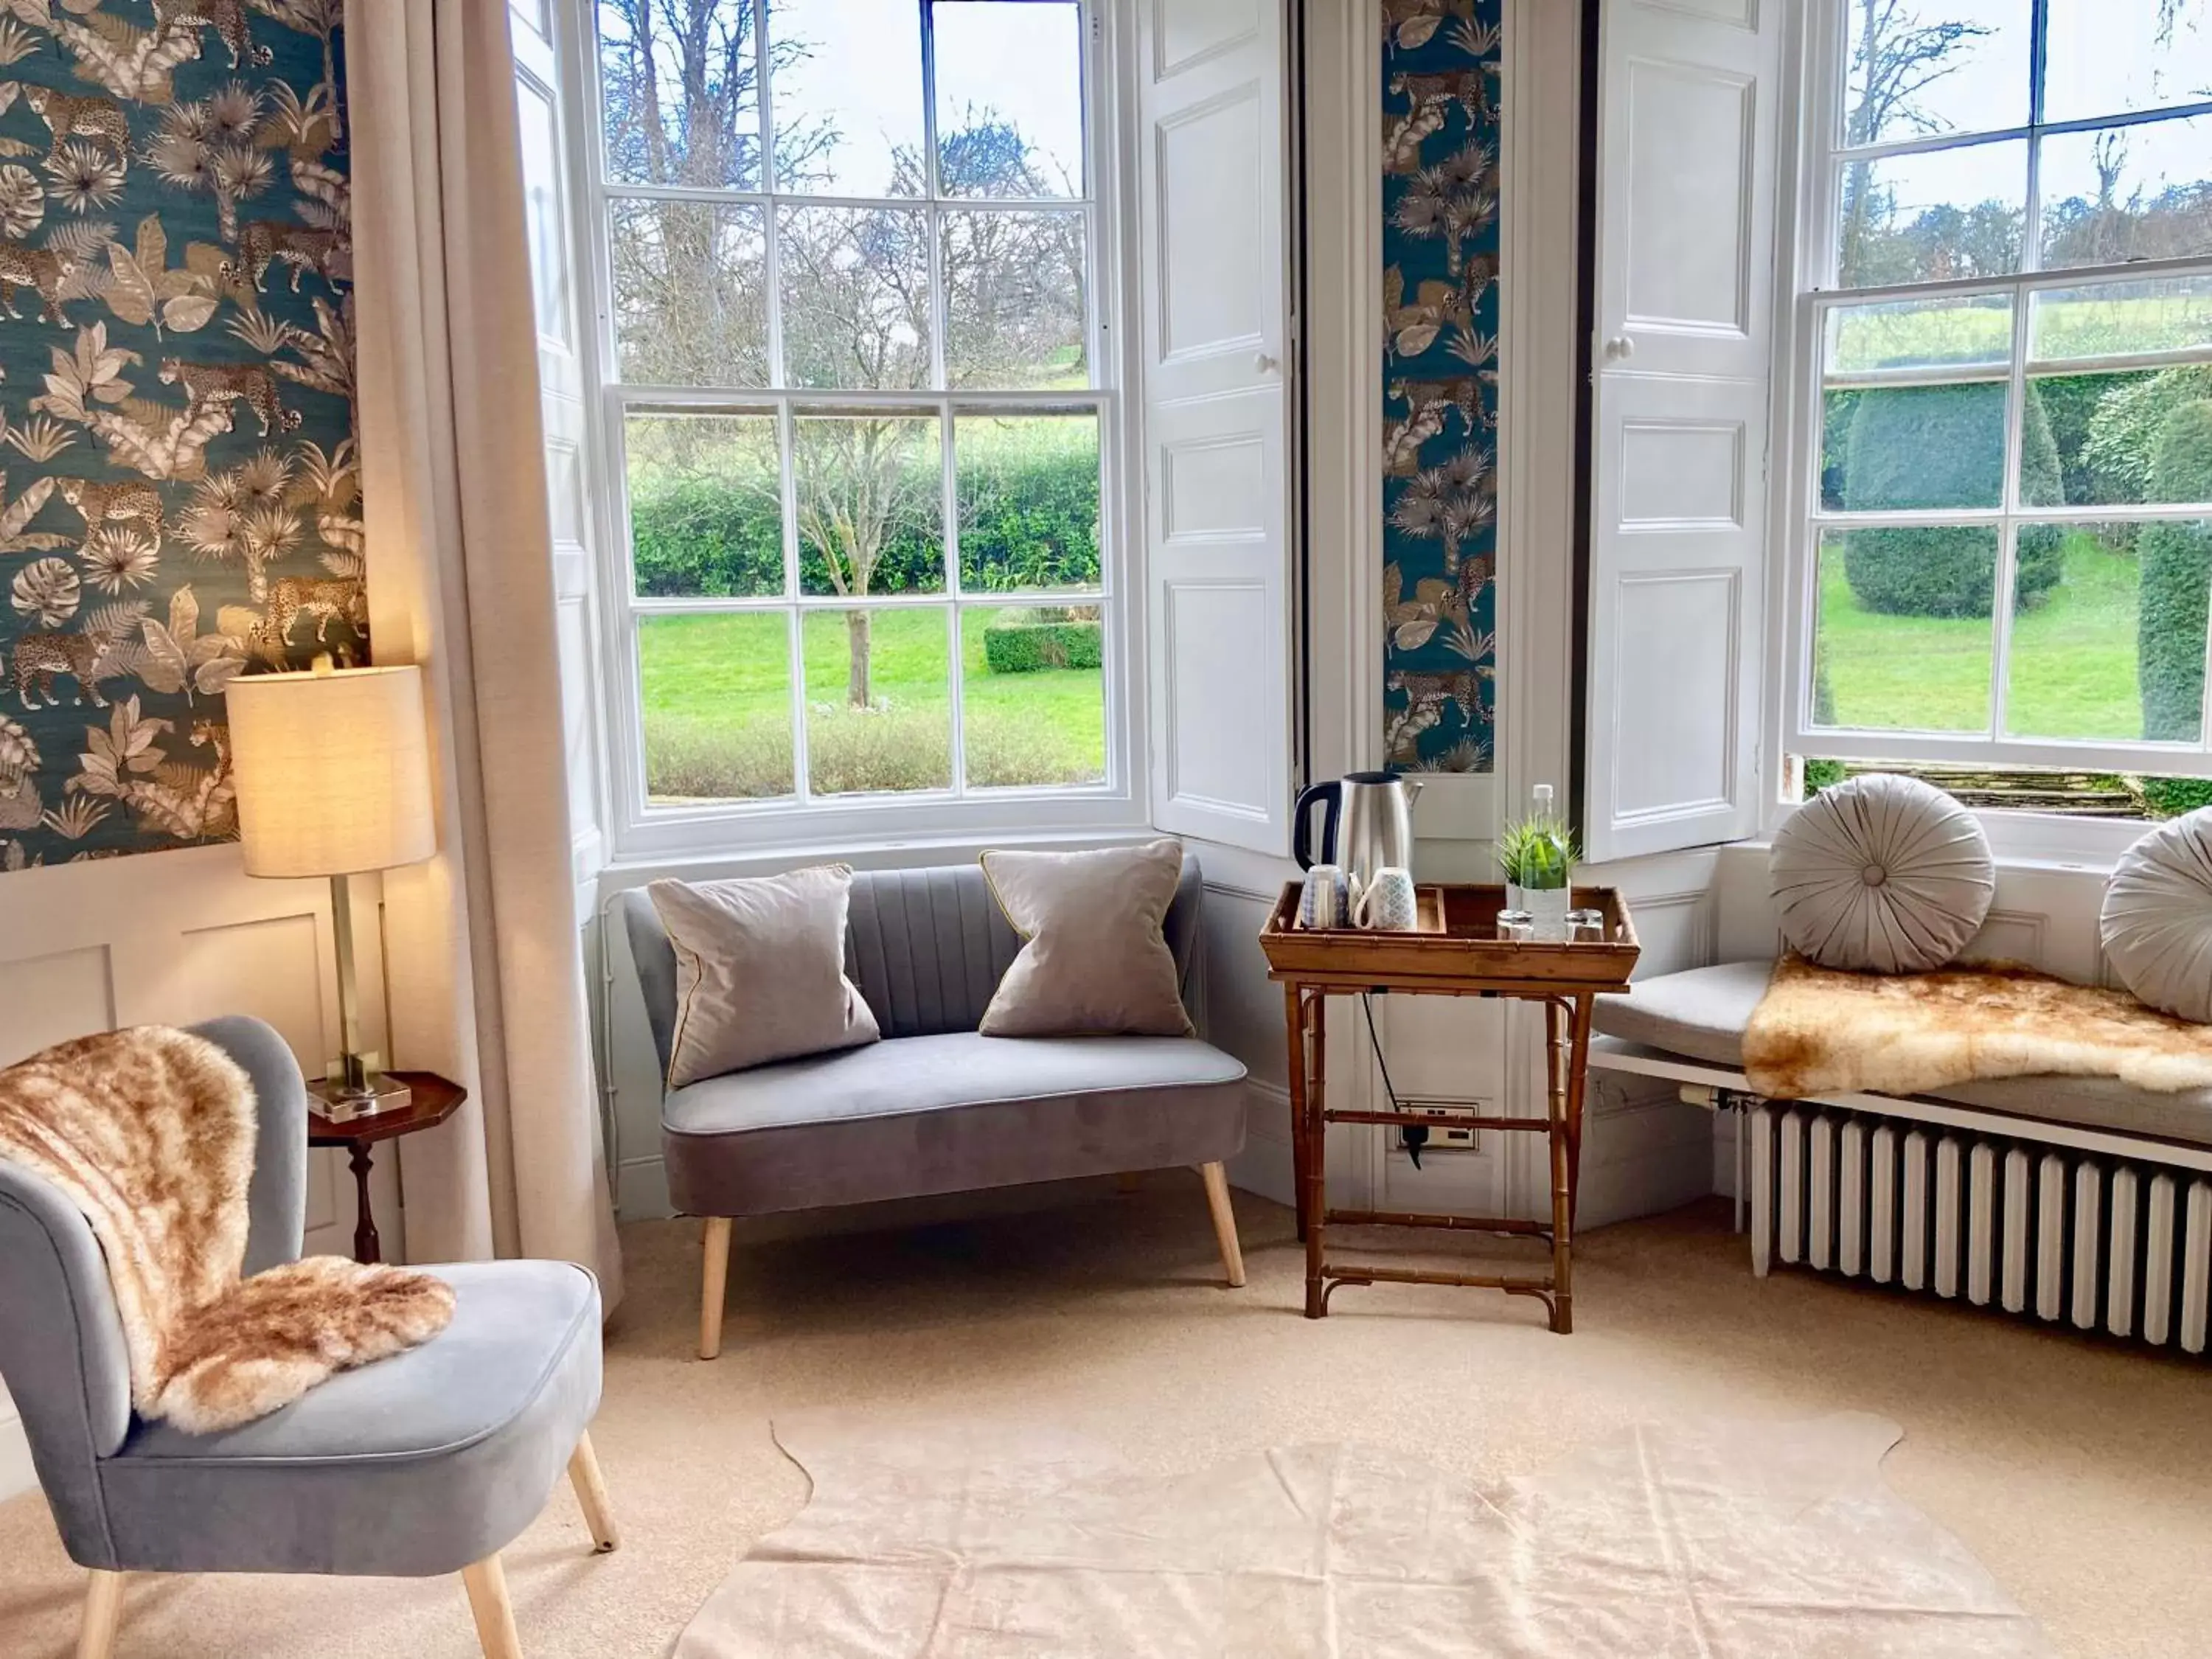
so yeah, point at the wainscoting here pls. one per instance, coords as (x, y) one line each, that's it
(169, 939)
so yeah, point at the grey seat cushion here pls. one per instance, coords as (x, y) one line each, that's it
(947, 1113)
(1882, 874)
(414, 1466)
(1701, 1014)
(2156, 921)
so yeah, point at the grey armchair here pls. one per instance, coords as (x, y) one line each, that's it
(427, 1463)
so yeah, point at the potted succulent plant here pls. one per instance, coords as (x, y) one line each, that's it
(1537, 855)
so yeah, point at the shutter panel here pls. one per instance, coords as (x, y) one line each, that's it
(1212, 261)
(1682, 358)
(562, 382)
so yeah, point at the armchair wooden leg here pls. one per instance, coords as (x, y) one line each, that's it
(103, 1611)
(1224, 1220)
(715, 1255)
(591, 1495)
(486, 1583)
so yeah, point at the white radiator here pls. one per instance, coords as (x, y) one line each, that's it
(2099, 1240)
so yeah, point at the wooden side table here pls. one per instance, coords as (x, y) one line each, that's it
(1455, 953)
(432, 1099)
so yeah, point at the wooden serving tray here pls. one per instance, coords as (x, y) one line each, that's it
(1456, 940)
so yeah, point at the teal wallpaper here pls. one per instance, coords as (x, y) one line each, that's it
(179, 487)
(1440, 243)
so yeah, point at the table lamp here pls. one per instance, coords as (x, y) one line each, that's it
(333, 768)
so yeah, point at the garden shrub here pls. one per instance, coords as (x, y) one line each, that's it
(2070, 403)
(2124, 431)
(2176, 556)
(1033, 522)
(1943, 446)
(2169, 798)
(1025, 647)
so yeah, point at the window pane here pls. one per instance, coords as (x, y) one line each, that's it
(1974, 332)
(1033, 708)
(2173, 314)
(1929, 217)
(1901, 645)
(716, 691)
(2108, 636)
(2143, 438)
(1916, 447)
(706, 505)
(871, 504)
(678, 114)
(855, 286)
(1009, 97)
(879, 700)
(1029, 502)
(690, 294)
(845, 91)
(1945, 66)
(2139, 193)
(2107, 56)
(1013, 297)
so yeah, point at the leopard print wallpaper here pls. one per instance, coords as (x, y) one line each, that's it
(179, 497)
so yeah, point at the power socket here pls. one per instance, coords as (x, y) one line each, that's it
(1442, 1137)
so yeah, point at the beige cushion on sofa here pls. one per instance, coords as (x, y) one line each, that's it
(1882, 874)
(759, 971)
(1095, 962)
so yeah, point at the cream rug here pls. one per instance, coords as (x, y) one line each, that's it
(1715, 1540)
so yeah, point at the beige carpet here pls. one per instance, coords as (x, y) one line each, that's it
(1719, 1538)
(2074, 1471)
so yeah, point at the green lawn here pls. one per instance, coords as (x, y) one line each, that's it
(2072, 658)
(718, 723)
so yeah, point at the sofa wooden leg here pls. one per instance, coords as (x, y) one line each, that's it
(591, 1495)
(1224, 1220)
(103, 1612)
(486, 1583)
(714, 1256)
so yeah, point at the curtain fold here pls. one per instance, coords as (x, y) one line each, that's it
(482, 952)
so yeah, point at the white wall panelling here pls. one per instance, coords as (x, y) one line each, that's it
(174, 938)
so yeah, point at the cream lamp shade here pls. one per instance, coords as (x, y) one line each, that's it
(332, 769)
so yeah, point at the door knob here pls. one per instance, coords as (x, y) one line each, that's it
(1619, 348)
(1262, 363)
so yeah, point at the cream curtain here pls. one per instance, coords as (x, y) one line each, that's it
(482, 952)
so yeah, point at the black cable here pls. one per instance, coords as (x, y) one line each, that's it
(1414, 1137)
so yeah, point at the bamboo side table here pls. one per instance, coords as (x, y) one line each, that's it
(1455, 952)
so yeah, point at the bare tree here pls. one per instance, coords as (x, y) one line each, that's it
(1895, 59)
(862, 482)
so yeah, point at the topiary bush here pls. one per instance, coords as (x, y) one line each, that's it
(1025, 647)
(1931, 447)
(2177, 556)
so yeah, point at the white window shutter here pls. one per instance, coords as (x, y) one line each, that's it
(1683, 358)
(1213, 260)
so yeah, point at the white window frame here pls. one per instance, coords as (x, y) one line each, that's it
(1808, 258)
(639, 830)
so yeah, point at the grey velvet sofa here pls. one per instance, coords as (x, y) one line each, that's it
(935, 1107)
(427, 1463)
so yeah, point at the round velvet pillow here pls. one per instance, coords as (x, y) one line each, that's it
(2156, 924)
(1882, 874)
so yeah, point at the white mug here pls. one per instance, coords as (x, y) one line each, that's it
(1388, 904)
(1327, 900)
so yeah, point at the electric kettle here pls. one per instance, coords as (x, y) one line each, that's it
(1367, 825)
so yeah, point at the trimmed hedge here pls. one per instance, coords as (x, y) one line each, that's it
(1931, 447)
(1026, 647)
(2177, 575)
(1034, 523)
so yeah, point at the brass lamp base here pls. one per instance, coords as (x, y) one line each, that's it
(341, 1102)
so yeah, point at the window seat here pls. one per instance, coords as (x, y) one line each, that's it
(1701, 1013)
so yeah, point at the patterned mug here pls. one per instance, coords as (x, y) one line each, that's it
(1387, 904)
(1327, 900)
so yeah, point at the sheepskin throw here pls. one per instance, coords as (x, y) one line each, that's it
(1819, 1031)
(150, 1133)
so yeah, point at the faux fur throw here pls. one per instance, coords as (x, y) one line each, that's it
(150, 1133)
(1819, 1031)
